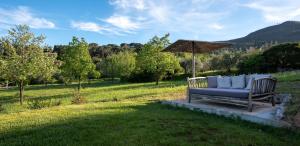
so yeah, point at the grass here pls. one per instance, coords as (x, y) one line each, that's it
(289, 82)
(127, 114)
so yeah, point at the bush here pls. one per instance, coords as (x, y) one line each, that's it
(282, 57)
(58, 77)
(78, 99)
(40, 103)
(137, 77)
(252, 63)
(225, 60)
(278, 58)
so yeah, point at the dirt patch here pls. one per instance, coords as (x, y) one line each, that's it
(297, 120)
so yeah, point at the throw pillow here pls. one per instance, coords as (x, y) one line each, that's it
(224, 82)
(238, 82)
(212, 82)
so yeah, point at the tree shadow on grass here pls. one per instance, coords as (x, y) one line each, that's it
(62, 86)
(108, 84)
(150, 124)
(124, 98)
(15, 99)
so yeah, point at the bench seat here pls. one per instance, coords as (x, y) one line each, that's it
(235, 93)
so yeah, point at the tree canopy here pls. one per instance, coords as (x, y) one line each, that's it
(152, 59)
(77, 62)
(24, 57)
(118, 65)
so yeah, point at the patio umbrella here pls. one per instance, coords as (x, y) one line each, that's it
(192, 46)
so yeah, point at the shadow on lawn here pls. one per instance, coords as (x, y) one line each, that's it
(63, 86)
(150, 124)
(110, 87)
(15, 99)
(108, 84)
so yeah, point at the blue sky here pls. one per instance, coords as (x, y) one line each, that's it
(118, 21)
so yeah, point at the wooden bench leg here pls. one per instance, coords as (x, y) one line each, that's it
(189, 95)
(273, 100)
(250, 107)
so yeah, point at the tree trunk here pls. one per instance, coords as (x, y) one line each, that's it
(21, 90)
(79, 84)
(157, 79)
(7, 84)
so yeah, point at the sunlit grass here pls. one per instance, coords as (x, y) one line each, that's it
(126, 114)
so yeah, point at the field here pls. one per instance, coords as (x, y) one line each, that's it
(130, 114)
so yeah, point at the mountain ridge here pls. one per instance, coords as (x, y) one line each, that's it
(285, 32)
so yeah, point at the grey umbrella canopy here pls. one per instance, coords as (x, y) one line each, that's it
(192, 46)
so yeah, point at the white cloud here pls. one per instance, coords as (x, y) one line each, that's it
(216, 26)
(160, 13)
(177, 16)
(86, 26)
(23, 15)
(197, 17)
(95, 27)
(122, 22)
(125, 4)
(277, 11)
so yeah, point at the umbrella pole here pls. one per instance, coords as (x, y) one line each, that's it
(193, 53)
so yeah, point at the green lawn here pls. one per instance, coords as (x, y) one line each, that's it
(126, 114)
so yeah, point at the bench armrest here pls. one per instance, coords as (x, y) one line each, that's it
(263, 86)
(197, 82)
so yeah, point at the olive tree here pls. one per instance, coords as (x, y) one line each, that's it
(152, 59)
(24, 57)
(77, 62)
(120, 64)
(225, 60)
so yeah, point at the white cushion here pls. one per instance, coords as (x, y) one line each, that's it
(238, 82)
(256, 76)
(224, 82)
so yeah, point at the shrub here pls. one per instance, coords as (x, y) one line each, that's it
(278, 58)
(142, 76)
(40, 103)
(225, 60)
(282, 57)
(252, 63)
(78, 99)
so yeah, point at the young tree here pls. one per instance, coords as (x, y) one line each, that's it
(118, 65)
(152, 59)
(77, 62)
(127, 63)
(3, 71)
(225, 60)
(49, 67)
(230, 59)
(24, 56)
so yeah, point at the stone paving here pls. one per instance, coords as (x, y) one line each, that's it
(262, 114)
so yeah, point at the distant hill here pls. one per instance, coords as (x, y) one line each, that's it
(288, 31)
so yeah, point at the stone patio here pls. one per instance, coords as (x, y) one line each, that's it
(262, 114)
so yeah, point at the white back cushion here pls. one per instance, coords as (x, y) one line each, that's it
(224, 82)
(238, 82)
